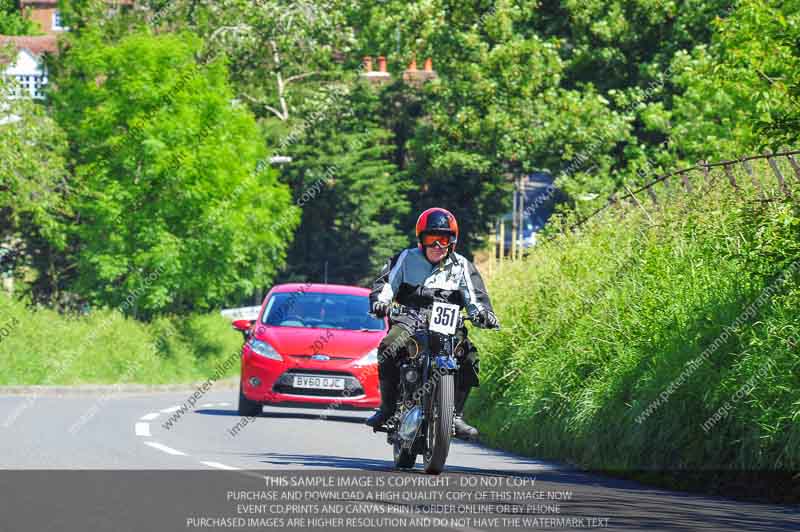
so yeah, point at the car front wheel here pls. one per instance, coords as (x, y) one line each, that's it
(247, 408)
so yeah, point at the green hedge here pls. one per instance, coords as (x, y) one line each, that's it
(608, 359)
(44, 347)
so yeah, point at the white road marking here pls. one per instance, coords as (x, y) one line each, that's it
(143, 429)
(219, 466)
(170, 410)
(168, 450)
(149, 417)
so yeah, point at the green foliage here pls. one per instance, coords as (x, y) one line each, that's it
(168, 203)
(33, 186)
(106, 347)
(12, 22)
(597, 325)
(499, 107)
(32, 168)
(741, 92)
(353, 198)
(279, 52)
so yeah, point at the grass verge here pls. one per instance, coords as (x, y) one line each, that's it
(662, 346)
(44, 347)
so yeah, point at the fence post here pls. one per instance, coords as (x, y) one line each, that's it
(778, 173)
(731, 178)
(795, 166)
(686, 184)
(493, 254)
(513, 253)
(502, 239)
(756, 181)
(704, 165)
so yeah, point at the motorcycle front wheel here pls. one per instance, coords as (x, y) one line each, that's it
(439, 427)
(403, 458)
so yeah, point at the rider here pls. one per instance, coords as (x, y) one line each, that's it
(409, 278)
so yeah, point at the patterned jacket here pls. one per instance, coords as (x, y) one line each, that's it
(405, 277)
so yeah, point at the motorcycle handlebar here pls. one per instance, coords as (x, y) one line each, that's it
(398, 308)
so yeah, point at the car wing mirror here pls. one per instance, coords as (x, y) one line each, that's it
(244, 327)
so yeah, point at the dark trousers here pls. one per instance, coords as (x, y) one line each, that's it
(397, 343)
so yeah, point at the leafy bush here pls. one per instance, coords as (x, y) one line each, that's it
(599, 324)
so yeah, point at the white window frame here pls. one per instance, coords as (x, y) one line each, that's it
(56, 21)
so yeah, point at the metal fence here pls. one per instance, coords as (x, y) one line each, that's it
(706, 169)
(708, 172)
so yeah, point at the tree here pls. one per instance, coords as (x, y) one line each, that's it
(279, 52)
(170, 202)
(33, 184)
(354, 198)
(499, 107)
(741, 93)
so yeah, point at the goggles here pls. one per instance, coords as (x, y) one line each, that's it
(441, 241)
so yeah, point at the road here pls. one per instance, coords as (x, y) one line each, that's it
(117, 434)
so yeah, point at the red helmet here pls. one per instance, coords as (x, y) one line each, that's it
(437, 221)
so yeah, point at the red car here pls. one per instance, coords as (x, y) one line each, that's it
(314, 344)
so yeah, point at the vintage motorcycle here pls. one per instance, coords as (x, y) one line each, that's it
(423, 422)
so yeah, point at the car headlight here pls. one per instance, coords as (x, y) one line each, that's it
(368, 359)
(265, 350)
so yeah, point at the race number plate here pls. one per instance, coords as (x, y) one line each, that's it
(444, 318)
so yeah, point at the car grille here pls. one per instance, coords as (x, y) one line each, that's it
(330, 357)
(285, 384)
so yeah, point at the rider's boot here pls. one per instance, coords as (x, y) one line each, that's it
(464, 431)
(388, 405)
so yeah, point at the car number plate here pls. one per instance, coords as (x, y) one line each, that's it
(444, 318)
(322, 383)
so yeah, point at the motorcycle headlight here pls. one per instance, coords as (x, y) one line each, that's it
(265, 350)
(368, 359)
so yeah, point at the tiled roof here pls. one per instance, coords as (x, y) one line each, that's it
(24, 3)
(37, 45)
(54, 3)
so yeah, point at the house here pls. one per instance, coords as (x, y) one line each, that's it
(46, 14)
(24, 64)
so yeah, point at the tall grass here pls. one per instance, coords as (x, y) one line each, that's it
(598, 324)
(44, 347)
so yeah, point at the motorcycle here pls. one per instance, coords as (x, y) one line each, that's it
(423, 422)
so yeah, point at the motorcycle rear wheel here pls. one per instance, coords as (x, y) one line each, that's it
(439, 428)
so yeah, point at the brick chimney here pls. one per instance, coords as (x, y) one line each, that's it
(415, 77)
(380, 77)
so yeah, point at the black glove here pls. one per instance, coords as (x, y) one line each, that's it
(380, 309)
(486, 318)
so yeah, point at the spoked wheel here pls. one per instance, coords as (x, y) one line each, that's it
(403, 458)
(439, 427)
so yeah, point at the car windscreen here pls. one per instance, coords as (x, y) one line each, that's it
(320, 310)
